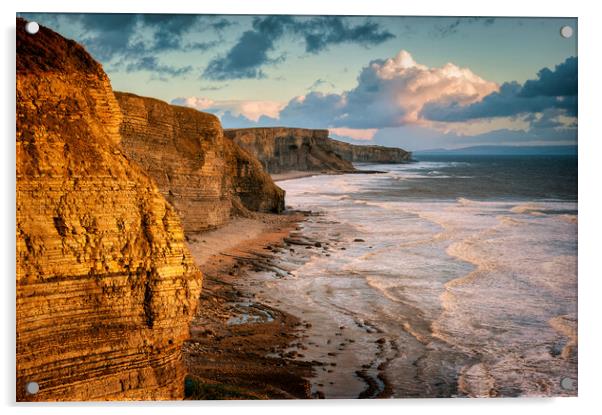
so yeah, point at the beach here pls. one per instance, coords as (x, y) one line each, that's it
(368, 289)
(248, 343)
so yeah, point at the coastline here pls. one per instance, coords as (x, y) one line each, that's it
(296, 174)
(236, 344)
(247, 344)
(290, 175)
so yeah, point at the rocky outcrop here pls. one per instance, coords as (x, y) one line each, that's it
(105, 284)
(282, 149)
(370, 154)
(204, 175)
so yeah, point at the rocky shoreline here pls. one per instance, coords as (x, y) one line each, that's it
(244, 345)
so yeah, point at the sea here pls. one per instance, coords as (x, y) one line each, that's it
(451, 276)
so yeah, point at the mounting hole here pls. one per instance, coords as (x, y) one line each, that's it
(32, 28)
(566, 32)
(32, 388)
(568, 384)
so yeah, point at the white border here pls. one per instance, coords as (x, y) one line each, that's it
(590, 153)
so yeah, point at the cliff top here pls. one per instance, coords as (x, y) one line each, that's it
(321, 130)
(47, 51)
(207, 117)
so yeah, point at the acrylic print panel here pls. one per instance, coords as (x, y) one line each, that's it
(275, 207)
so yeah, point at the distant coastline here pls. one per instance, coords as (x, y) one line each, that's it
(565, 150)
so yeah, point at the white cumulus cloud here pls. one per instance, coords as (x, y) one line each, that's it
(389, 93)
(250, 109)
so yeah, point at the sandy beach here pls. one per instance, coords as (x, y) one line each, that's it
(248, 343)
(236, 349)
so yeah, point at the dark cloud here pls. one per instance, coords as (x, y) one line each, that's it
(322, 32)
(552, 89)
(320, 82)
(562, 81)
(451, 28)
(151, 64)
(252, 50)
(244, 60)
(445, 30)
(169, 29)
(121, 38)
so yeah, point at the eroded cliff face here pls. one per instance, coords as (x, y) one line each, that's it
(282, 149)
(204, 175)
(370, 154)
(105, 284)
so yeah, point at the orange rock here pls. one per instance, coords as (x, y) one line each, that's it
(283, 149)
(105, 284)
(204, 175)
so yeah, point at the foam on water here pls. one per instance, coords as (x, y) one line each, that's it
(475, 296)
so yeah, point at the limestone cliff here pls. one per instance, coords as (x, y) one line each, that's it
(282, 149)
(105, 284)
(204, 175)
(370, 154)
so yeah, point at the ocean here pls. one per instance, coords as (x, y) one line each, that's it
(451, 276)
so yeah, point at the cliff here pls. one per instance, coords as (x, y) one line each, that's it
(370, 154)
(204, 175)
(105, 285)
(282, 149)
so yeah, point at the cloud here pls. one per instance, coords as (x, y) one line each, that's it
(244, 60)
(552, 89)
(451, 28)
(121, 38)
(251, 110)
(319, 83)
(562, 81)
(252, 50)
(398, 97)
(322, 32)
(417, 137)
(354, 134)
(213, 87)
(389, 93)
(151, 64)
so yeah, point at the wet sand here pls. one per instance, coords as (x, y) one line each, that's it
(248, 344)
(236, 349)
(290, 175)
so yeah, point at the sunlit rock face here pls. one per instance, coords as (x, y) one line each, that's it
(105, 284)
(370, 154)
(204, 175)
(282, 149)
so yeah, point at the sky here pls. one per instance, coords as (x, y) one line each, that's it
(411, 82)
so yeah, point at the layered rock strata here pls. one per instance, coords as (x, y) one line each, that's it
(370, 154)
(282, 149)
(205, 176)
(105, 284)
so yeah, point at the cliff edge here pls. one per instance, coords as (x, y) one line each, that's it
(105, 284)
(282, 149)
(204, 175)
